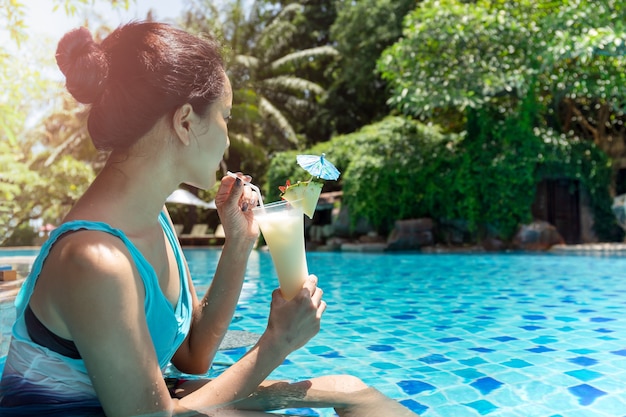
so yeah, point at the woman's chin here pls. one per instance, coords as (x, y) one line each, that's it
(204, 185)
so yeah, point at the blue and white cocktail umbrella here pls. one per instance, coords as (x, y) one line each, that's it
(318, 166)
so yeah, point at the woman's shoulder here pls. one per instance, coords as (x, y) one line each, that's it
(89, 254)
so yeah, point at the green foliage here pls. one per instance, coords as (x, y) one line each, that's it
(361, 31)
(474, 54)
(398, 172)
(393, 169)
(29, 186)
(22, 235)
(495, 182)
(400, 169)
(517, 70)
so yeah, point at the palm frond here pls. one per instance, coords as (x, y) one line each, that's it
(275, 39)
(287, 82)
(247, 61)
(279, 119)
(290, 9)
(298, 105)
(295, 57)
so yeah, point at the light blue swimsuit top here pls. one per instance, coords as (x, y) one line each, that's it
(48, 376)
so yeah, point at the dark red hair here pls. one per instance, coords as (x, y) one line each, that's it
(139, 73)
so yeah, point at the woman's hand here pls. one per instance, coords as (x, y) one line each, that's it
(293, 323)
(234, 204)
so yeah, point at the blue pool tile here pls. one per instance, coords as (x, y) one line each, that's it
(384, 365)
(318, 350)
(236, 351)
(540, 349)
(603, 330)
(474, 329)
(482, 349)
(582, 351)
(333, 354)
(534, 317)
(426, 369)
(621, 352)
(468, 373)
(486, 385)
(381, 348)
(542, 340)
(517, 363)
(504, 338)
(404, 317)
(414, 406)
(390, 341)
(601, 319)
(566, 319)
(566, 329)
(583, 361)
(584, 374)
(483, 407)
(473, 361)
(365, 329)
(434, 358)
(531, 328)
(449, 339)
(586, 393)
(412, 387)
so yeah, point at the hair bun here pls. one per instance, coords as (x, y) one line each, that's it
(84, 65)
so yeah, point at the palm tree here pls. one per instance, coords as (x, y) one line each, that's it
(268, 70)
(271, 95)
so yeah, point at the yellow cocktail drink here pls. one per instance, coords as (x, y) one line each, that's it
(282, 225)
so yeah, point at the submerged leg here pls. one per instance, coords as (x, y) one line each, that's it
(348, 395)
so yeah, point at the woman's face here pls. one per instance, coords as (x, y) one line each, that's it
(209, 140)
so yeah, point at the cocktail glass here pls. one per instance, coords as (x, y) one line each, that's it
(282, 225)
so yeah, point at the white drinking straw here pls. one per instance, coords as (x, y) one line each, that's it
(249, 184)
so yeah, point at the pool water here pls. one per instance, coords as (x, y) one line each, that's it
(502, 335)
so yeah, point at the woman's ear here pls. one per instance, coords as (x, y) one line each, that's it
(182, 123)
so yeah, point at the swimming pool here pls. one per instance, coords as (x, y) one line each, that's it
(503, 335)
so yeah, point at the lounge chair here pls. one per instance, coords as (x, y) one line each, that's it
(196, 236)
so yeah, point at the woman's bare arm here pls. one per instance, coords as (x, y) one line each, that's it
(214, 313)
(99, 296)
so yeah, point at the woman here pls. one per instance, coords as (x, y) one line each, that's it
(109, 302)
